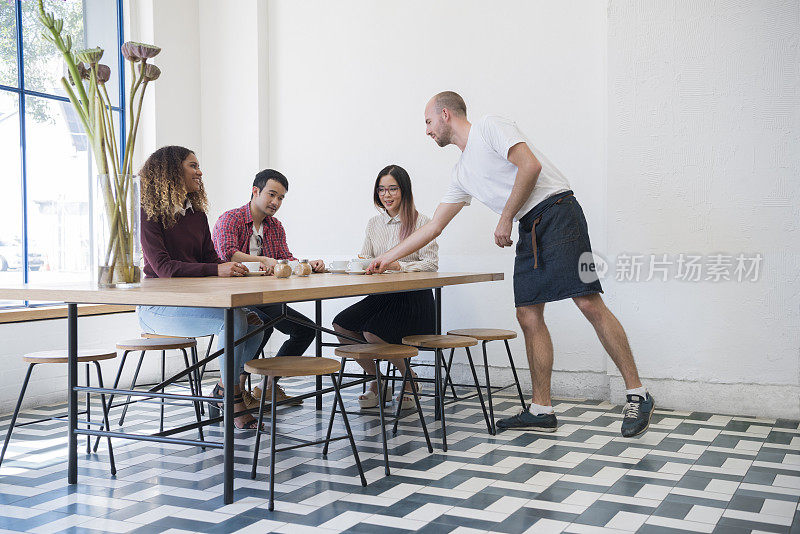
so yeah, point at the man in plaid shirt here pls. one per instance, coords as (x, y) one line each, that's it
(252, 233)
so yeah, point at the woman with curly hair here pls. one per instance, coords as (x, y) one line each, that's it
(176, 242)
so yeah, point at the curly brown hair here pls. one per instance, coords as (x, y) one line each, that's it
(162, 185)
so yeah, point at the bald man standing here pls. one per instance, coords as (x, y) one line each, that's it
(500, 168)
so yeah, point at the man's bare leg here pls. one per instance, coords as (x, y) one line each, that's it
(539, 349)
(640, 406)
(611, 335)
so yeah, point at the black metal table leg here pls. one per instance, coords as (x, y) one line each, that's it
(72, 396)
(318, 352)
(227, 425)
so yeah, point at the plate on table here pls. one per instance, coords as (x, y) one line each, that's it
(337, 271)
(357, 272)
(256, 273)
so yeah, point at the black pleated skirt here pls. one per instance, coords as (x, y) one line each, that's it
(391, 316)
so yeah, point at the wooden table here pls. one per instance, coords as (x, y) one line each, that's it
(229, 294)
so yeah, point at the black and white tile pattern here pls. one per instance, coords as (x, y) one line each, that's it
(692, 472)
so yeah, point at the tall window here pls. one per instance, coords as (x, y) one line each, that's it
(46, 170)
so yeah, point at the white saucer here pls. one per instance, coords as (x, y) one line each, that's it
(337, 271)
(256, 273)
(356, 272)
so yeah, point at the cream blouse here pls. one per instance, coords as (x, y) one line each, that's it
(383, 233)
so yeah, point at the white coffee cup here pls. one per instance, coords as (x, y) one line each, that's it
(252, 266)
(338, 265)
(358, 265)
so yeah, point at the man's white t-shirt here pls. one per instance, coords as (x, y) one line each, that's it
(484, 172)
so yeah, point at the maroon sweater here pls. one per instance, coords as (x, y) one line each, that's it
(185, 249)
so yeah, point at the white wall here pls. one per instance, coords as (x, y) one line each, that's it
(704, 124)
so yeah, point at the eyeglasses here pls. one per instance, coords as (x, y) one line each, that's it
(259, 240)
(391, 189)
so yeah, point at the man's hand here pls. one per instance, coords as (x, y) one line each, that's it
(379, 265)
(502, 234)
(231, 268)
(317, 266)
(267, 264)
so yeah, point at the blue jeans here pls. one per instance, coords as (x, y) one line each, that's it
(196, 322)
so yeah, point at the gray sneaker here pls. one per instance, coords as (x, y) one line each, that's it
(636, 415)
(525, 420)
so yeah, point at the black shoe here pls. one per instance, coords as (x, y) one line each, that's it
(544, 423)
(636, 415)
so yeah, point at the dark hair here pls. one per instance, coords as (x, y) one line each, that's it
(452, 101)
(408, 213)
(266, 175)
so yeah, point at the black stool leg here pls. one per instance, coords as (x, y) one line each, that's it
(16, 411)
(449, 378)
(193, 389)
(492, 430)
(478, 389)
(106, 425)
(410, 378)
(133, 385)
(516, 378)
(258, 434)
(272, 444)
(333, 413)
(397, 412)
(111, 398)
(88, 413)
(163, 377)
(381, 396)
(436, 386)
(440, 362)
(198, 385)
(349, 431)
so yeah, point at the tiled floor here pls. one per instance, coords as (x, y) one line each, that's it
(695, 472)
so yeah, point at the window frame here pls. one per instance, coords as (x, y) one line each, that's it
(22, 93)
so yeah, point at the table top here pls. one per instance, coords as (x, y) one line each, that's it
(214, 292)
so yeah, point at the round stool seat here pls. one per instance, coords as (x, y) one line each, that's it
(440, 341)
(162, 336)
(485, 334)
(60, 356)
(292, 366)
(157, 343)
(376, 351)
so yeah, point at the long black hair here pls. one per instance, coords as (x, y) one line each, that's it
(408, 212)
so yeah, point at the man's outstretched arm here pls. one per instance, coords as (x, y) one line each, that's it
(421, 237)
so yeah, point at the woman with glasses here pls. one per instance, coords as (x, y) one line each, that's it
(390, 317)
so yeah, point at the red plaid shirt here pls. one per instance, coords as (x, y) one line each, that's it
(233, 231)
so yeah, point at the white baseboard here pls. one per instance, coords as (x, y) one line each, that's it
(755, 400)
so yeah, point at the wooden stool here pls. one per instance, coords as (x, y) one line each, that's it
(295, 366)
(378, 353)
(163, 344)
(485, 335)
(60, 356)
(437, 343)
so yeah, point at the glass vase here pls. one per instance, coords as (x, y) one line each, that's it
(118, 250)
